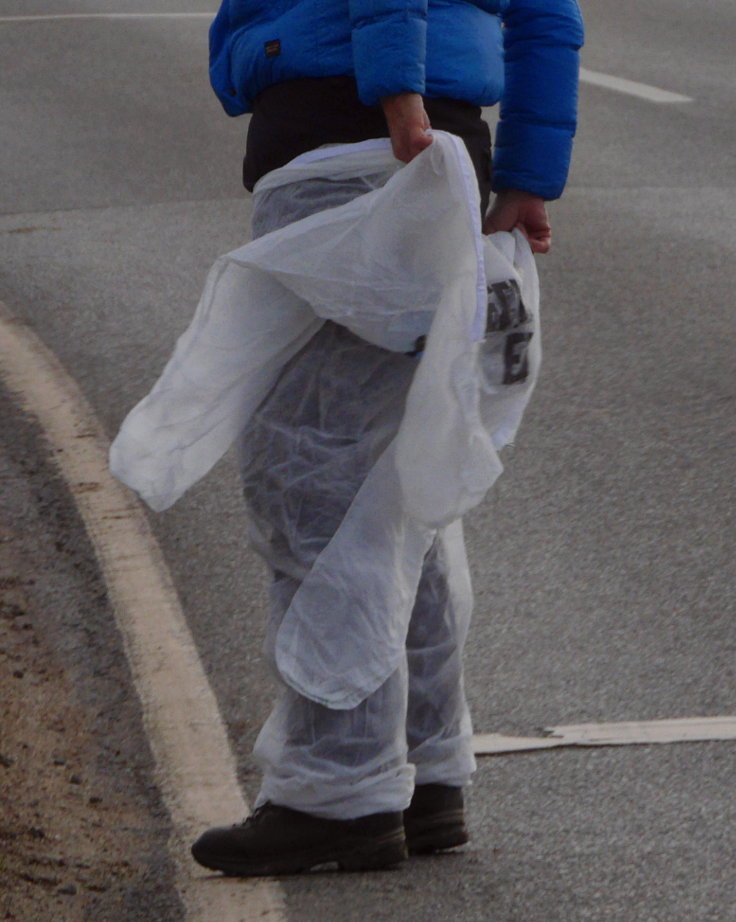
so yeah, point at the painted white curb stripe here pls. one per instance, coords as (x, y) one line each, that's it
(195, 769)
(630, 87)
(685, 730)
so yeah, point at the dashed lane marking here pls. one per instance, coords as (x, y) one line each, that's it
(631, 733)
(631, 87)
(50, 17)
(195, 767)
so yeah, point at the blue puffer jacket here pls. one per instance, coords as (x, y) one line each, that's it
(521, 52)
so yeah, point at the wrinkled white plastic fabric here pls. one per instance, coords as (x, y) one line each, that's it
(400, 263)
(415, 728)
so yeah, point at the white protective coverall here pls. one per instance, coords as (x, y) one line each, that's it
(373, 351)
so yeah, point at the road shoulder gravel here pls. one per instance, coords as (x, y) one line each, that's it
(83, 833)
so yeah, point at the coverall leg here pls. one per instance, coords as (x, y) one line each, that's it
(304, 455)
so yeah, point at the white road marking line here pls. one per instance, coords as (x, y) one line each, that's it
(44, 17)
(630, 87)
(195, 766)
(595, 78)
(684, 730)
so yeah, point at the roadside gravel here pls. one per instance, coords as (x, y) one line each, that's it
(82, 831)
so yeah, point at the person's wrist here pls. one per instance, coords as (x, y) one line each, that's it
(518, 195)
(398, 100)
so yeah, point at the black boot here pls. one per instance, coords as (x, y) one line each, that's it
(279, 840)
(435, 819)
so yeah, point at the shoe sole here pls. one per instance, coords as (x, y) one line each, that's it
(436, 833)
(385, 852)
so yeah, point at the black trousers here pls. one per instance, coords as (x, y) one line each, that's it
(293, 117)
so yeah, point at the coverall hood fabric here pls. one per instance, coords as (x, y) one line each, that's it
(400, 263)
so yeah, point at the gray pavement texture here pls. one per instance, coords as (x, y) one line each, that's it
(603, 561)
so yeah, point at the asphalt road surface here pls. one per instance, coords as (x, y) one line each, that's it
(603, 561)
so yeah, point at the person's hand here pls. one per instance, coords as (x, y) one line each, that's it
(407, 125)
(514, 208)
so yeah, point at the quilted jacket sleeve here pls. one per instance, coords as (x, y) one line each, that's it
(389, 40)
(220, 76)
(539, 104)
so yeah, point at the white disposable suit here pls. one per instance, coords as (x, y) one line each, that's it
(371, 351)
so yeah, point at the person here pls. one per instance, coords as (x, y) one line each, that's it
(365, 785)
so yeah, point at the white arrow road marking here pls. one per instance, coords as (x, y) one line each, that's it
(685, 730)
(195, 766)
(630, 87)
